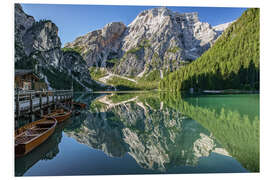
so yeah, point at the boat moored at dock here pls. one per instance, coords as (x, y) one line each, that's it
(60, 115)
(32, 135)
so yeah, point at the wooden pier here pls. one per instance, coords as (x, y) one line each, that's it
(31, 103)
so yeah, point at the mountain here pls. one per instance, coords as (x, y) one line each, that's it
(99, 45)
(155, 43)
(38, 47)
(232, 63)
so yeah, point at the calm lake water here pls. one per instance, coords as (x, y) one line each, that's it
(152, 133)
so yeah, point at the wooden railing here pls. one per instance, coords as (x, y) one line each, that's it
(30, 101)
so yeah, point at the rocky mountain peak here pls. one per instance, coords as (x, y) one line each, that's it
(113, 29)
(38, 47)
(150, 15)
(42, 36)
(99, 45)
(157, 39)
(172, 38)
(23, 21)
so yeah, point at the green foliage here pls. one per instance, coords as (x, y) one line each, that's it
(149, 99)
(25, 63)
(152, 76)
(75, 49)
(232, 63)
(143, 45)
(134, 50)
(39, 24)
(236, 131)
(97, 73)
(112, 62)
(116, 98)
(156, 61)
(60, 80)
(173, 49)
(124, 84)
(96, 106)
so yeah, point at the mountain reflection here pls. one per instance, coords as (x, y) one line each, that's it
(233, 121)
(156, 135)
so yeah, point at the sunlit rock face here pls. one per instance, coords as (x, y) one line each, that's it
(171, 38)
(38, 47)
(22, 23)
(156, 136)
(42, 39)
(97, 46)
(156, 39)
(38, 40)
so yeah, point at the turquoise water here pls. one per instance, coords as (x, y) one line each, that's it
(152, 133)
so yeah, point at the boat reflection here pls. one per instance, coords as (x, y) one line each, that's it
(46, 151)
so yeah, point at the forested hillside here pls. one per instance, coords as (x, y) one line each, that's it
(232, 63)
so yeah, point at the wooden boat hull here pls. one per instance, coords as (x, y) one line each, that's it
(60, 115)
(35, 140)
(45, 151)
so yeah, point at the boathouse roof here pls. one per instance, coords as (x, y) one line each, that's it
(21, 72)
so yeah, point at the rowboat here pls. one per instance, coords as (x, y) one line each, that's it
(45, 151)
(60, 115)
(32, 135)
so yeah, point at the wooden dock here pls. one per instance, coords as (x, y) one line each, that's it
(31, 102)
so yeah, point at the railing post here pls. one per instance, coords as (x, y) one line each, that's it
(47, 98)
(17, 98)
(40, 104)
(53, 99)
(56, 100)
(31, 103)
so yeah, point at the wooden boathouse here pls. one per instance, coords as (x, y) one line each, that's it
(26, 79)
(33, 99)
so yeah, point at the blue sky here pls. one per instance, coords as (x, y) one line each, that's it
(77, 20)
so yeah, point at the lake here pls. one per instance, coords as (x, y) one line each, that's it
(152, 133)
